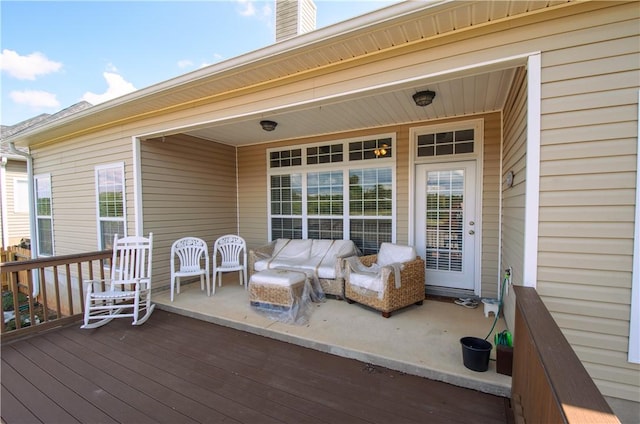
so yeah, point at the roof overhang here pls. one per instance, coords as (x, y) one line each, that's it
(381, 31)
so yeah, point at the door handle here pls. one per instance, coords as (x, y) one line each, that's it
(472, 232)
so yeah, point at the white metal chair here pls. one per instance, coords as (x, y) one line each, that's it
(127, 293)
(187, 255)
(233, 256)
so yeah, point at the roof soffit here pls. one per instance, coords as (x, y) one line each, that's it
(381, 32)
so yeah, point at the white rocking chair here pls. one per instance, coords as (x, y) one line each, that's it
(231, 249)
(187, 255)
(127, 293)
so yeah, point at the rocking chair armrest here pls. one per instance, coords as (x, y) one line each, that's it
(137, 282)
(93, 282)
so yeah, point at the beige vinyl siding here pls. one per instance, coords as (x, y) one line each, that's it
(189, 189)
(17, 222)
(403, 184)
(491, 205)
(72, 169)
(252, 194)
(71, 166)
(513, 198)
(587, 196)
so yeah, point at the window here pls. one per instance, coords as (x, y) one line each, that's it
(370, 208)
(110, 200)
(325, 202)
(334, 197)
(446, 143)
(324, 154)
(20, 196)
(286, 206)
(44, 215)
(284, 158)
(370, 149)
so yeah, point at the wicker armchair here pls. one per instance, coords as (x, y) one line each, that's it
(410, 291)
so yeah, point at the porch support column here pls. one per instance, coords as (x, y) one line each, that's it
(137, 186)
(532, 182)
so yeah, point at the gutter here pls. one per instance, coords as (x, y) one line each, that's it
(32, 211)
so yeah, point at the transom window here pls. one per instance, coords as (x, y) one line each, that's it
(284, 158)
(320, 201)
(324, 154)
(446, 143)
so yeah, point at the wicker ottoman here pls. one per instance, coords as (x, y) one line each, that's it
(276, 289)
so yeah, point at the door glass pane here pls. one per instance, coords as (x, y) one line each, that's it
(444, 229)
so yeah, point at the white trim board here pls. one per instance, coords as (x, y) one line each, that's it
(634, 319)
(532, 197)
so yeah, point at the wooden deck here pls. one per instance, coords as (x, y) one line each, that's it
(176, 369)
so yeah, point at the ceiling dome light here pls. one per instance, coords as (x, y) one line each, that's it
(268, 125)
(424, 98)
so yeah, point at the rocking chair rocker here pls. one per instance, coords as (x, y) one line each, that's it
(128, 291)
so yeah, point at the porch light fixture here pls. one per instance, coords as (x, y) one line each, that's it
(424, 98)
(381, 151)
(268, 125)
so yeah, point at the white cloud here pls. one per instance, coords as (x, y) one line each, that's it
(27, 67)
(267, 11)
(116, 86)
(185, 63)
(247, 8)
(35, 99)
(112, 68)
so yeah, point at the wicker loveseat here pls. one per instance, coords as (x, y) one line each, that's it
(321, 258)
(386, 296)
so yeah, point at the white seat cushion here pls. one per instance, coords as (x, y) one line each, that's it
(367, 280)
(278, 277)
(261, 265)
(330, 267)
(294, 249)
(392, 253)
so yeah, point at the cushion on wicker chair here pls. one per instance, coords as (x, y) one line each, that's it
(393, 254)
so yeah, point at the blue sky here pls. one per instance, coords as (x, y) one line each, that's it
(55, 54)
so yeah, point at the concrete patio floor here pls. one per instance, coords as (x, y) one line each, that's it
(418, 340)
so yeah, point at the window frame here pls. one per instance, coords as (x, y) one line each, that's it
(118, 166)
(346, 166)
(37, 181)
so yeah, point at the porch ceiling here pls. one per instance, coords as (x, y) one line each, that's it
(481, 93)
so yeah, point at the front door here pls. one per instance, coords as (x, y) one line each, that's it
(445, 225)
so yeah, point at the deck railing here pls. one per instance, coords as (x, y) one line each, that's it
(549, 383)
(47, 292)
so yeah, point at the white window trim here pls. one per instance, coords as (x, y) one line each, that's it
(345, 166)
(99, 219)
(37, 217)
(634, 319)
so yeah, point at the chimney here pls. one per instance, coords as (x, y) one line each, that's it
(294, 17)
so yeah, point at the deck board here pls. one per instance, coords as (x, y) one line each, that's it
(178, 369)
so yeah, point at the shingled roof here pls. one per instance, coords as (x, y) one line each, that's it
(9, 130)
